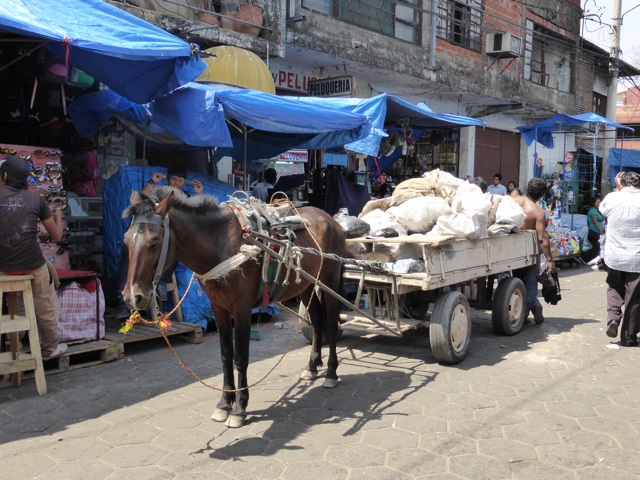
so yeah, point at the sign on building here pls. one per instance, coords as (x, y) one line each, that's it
(332, 87)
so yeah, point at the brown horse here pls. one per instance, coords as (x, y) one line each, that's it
(203, 235)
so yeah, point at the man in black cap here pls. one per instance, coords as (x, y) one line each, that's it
(20, 254)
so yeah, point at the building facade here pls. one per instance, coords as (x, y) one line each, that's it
(506, 62)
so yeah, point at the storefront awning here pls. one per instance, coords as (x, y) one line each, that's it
(542, 132)
(131, 56)
(239, 67)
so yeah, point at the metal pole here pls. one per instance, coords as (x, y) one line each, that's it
(612, 94)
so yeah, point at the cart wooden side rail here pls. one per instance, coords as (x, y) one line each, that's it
(400, 301)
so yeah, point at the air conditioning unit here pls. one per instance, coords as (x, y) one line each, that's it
(503, 45)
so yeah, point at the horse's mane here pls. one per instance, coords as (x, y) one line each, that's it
(146, 204)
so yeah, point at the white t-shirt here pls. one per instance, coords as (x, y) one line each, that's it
(497, 190)
(622, 247)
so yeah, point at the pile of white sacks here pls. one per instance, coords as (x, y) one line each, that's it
(437, 205)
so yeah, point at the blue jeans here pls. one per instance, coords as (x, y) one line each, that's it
(529, 276)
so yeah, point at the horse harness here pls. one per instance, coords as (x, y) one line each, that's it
(273, 227)
(156, 219)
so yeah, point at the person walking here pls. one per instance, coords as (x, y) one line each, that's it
(595, 223)
(20, 254)
(535, 219)
(622, 258)
(264, 190)
(497, 188)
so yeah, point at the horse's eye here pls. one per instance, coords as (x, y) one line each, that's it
(153, 244)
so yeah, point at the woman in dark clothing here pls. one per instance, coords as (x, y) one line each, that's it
(595, 221)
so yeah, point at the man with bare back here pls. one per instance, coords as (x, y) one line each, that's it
(535, 220)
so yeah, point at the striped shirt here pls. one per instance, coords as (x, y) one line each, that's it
(622, 246)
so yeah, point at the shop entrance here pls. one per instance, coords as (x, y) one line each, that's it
(497, 151)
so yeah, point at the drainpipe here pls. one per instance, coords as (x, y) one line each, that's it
(612, 96)
(434, 26)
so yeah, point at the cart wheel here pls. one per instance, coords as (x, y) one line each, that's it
(417, 304)
(509, 302)
(307, 329)
(450, 328)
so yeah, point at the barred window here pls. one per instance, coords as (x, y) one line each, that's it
(460, 23)
(394, 18)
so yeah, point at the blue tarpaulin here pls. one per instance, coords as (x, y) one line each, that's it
(199, 115)
(218, 116)
(131, 56)
(542, 132)
(623, 160)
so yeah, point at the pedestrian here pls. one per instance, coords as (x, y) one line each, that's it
(264, 190)
(535, 219)
(622, 258)
(511, 186)
(20, 253)
(480, 182)
(595, 223)
(497, 188)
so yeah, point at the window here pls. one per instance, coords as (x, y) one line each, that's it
(460, 23)
(394, 18)
(599, 105)
(549, 59)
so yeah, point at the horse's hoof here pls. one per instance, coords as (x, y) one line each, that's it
(308, 375)
(235, 421)
(219, 415)
(330, 383)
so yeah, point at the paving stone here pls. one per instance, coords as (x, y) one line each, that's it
(80, 470)
(391, 438)
(356, 456)
(568, 456)
(247, 466)
(507, 450)
(476, 430)
(416, 462)
(26, 465)
(479, 467)
(320, 469)
(131, 434)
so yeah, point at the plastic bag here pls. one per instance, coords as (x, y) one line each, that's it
(378, 220)
(353, 226)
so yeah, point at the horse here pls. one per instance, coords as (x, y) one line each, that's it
(203, 234)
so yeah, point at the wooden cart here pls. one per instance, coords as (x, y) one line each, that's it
(454, 269)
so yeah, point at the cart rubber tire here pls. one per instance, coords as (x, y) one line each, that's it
(509, 301)
(417, 304)
(307, 329)
(450, 328)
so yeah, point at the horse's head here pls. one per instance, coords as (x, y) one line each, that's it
(147, 240)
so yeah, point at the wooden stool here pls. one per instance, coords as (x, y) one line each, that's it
(173, 288)
(14, 362)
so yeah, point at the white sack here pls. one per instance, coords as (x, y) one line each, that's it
(510, 212)
(419, 214)
(459, 224)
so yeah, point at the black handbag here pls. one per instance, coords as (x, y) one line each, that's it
(550, 287)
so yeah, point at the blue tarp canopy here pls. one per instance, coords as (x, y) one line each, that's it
(131, 56)
(219, 116)
(205, 115)
(542, 132)
(387, 110)
(623, 160)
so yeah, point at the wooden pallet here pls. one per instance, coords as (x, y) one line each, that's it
(191, 332)
(83, 355)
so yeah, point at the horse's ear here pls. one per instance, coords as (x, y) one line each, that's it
(164, 206)
(135, 197)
